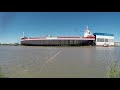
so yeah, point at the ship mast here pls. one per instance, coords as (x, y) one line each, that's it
(87, 32)
(23, 34)
(87, 27)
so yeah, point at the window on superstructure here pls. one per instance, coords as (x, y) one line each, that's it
(100, 40)
(106, 40)
(111, 40)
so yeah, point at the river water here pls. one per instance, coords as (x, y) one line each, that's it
(56, 62)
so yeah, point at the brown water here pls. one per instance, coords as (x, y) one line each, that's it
(56, 62)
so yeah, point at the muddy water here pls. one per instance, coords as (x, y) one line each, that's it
(56, 62)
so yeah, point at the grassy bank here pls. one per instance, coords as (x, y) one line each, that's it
(113, 71)
(1, 74)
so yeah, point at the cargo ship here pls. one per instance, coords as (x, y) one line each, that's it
(87, 40)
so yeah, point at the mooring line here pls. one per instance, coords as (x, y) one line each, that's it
(53, 57)
(42, 67)
(48, 61)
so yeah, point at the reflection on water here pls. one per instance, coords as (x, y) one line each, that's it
(74, 62)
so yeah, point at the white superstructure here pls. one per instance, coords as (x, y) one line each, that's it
(104, 39)
(87, 33)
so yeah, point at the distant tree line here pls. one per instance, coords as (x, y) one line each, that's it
(14, 44)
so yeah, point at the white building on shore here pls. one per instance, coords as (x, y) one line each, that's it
(104, 39)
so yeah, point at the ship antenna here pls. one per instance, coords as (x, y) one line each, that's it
(23, 34)
(87, 27)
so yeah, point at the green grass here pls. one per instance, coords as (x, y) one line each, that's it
(1, 74)
(113, 71)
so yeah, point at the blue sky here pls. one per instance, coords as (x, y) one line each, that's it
(36, 24)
